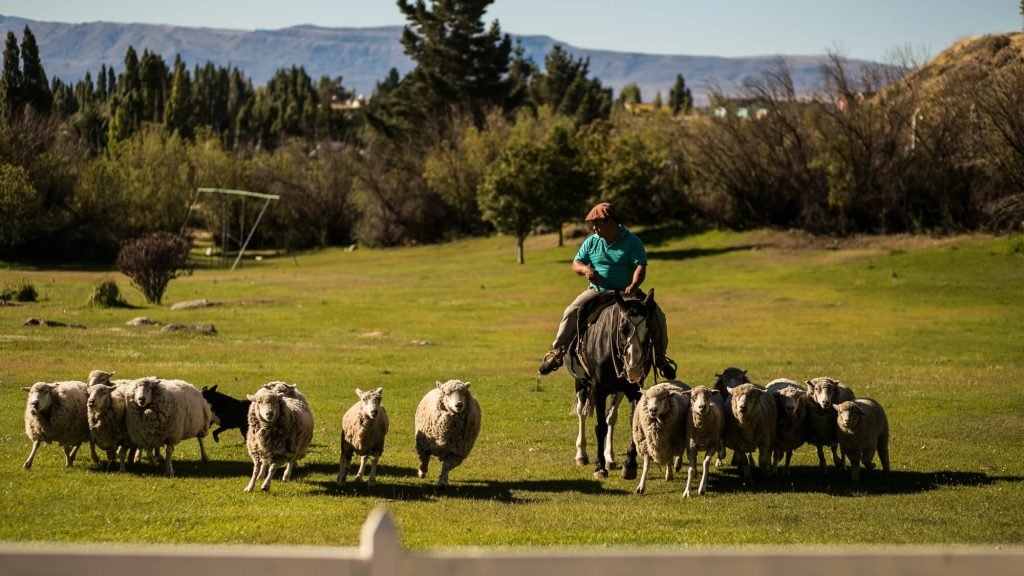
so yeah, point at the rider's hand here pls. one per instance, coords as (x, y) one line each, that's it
(593, 277)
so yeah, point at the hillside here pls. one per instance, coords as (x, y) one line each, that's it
(362, 56)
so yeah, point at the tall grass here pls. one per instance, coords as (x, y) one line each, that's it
(931, 329)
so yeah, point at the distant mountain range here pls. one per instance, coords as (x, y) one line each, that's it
(363, 56)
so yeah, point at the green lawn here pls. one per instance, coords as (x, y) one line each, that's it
(932, 329)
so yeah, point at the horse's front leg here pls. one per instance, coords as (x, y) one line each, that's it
(613, 417)
(581, 432)
(600, 430)
(629, 469)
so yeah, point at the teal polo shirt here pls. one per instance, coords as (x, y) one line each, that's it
(613, 262)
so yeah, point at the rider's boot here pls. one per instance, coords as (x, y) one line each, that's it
(552, 361)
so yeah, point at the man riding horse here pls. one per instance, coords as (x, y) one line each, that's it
(613, 258)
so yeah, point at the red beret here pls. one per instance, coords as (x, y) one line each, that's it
(602, 211)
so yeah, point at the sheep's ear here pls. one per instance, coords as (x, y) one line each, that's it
(716, 392)
(380, 390)
(26, 389)
(359, 392)
(214, 388)
(467, 384)
(438, 383)
(205, 388)
(250, 397)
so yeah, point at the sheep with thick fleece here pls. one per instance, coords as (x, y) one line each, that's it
(659, 428)
(447, 424)
(863, 430)
(823, 394)
(165, 412)
(56, 412)
(280, 430)
(363, 429)
(107, 406)
(752, 426)
(705, 427)
(791, 433)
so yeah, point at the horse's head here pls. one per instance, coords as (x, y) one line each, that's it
(633, 338)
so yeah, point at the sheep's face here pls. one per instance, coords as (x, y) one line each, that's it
(99, 397)
(822, 391)
(701, 399)
(99, 377)
(455, 395)
(744, 399)
(40, 397)
(848, 415)
(371, 402)
(268, 406)
(730, 378)
(142, 391)
(659, 406)
(792, 402)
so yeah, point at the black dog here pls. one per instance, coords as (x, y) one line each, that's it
(228, 412)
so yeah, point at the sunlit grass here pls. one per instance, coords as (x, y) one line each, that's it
(931, 329)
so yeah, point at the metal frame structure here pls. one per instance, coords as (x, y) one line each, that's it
(244, 194)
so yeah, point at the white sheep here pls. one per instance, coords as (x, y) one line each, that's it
(705, 427)
(791, 433)
(363, 429)
(56, 412)
(824, 393)
(659, 428)
(107, 406)
(280, 430)
(447, 424)
(728, 379)
(165, 412)
(863, 430)
(752, 426)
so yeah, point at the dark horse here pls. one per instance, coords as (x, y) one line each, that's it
(611, 356)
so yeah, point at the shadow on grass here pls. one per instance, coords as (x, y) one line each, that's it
(693, 253)
(809, 479)
(401, 483)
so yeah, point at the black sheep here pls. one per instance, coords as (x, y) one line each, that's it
(228, 412)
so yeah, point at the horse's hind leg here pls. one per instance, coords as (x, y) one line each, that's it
(600, 430)
(580, 407)
(613, 417)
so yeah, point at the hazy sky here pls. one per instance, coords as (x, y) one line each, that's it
(870, 29)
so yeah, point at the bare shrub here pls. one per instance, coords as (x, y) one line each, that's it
(152, 261)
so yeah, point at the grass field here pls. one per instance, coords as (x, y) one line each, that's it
(932, 329)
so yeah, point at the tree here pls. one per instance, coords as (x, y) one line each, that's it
(565, 88)
(20, 204)
(11, 93)
(461, 66)
(152, 261)
(126, 105)
(35, 87)
(539, 178)
(180, 113)
(511, 196)
(630, 94)
(680, 98)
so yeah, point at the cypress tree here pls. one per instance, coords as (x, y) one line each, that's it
(36, 88)
(180, 111)
(11, 95)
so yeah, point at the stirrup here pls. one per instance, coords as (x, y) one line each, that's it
(552, 361)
